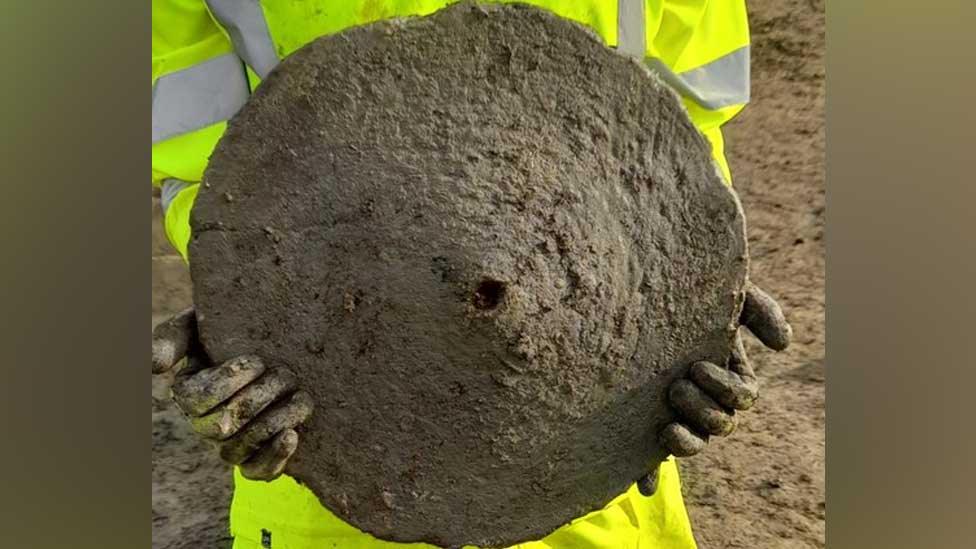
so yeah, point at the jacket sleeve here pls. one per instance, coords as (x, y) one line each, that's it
(198, 83)
(701, 49)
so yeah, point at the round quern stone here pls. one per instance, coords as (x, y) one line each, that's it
(485, 243)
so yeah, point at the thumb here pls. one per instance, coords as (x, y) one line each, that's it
(765, 319)
(171, 339)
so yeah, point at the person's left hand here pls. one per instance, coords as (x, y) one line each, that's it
(707, 400)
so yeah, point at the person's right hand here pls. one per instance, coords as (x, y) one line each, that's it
(248, 412)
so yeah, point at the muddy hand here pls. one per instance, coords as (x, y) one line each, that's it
(248, 412)
(706, 402)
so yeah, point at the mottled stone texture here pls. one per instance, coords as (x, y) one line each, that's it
(485, 243)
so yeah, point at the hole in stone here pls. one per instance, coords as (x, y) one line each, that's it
(489, 294)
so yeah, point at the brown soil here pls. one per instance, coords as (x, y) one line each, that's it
(762, 487)
(191, 488)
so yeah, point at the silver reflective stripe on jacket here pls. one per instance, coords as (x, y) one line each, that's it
(630, 28)
(721, 83)
(198, 96)
(169, 190)
(245, 23)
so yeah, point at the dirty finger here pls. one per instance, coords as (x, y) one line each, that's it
(171, 339)
(699, 410)
(203, 391)
(681, 441)
(287, 414)
(765, 319)
(648, 484)
(728, 388)
(738, 361)
(269, 461)
(245, 405)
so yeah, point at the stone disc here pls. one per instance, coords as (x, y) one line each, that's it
(485, 243)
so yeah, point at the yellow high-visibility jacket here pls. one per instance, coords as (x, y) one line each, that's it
(207, 57)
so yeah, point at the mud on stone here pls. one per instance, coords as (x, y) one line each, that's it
(485, 243)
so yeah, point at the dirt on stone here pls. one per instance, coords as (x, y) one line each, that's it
(764, 485)
(485, 243)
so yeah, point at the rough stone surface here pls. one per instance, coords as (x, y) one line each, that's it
(485, 243)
